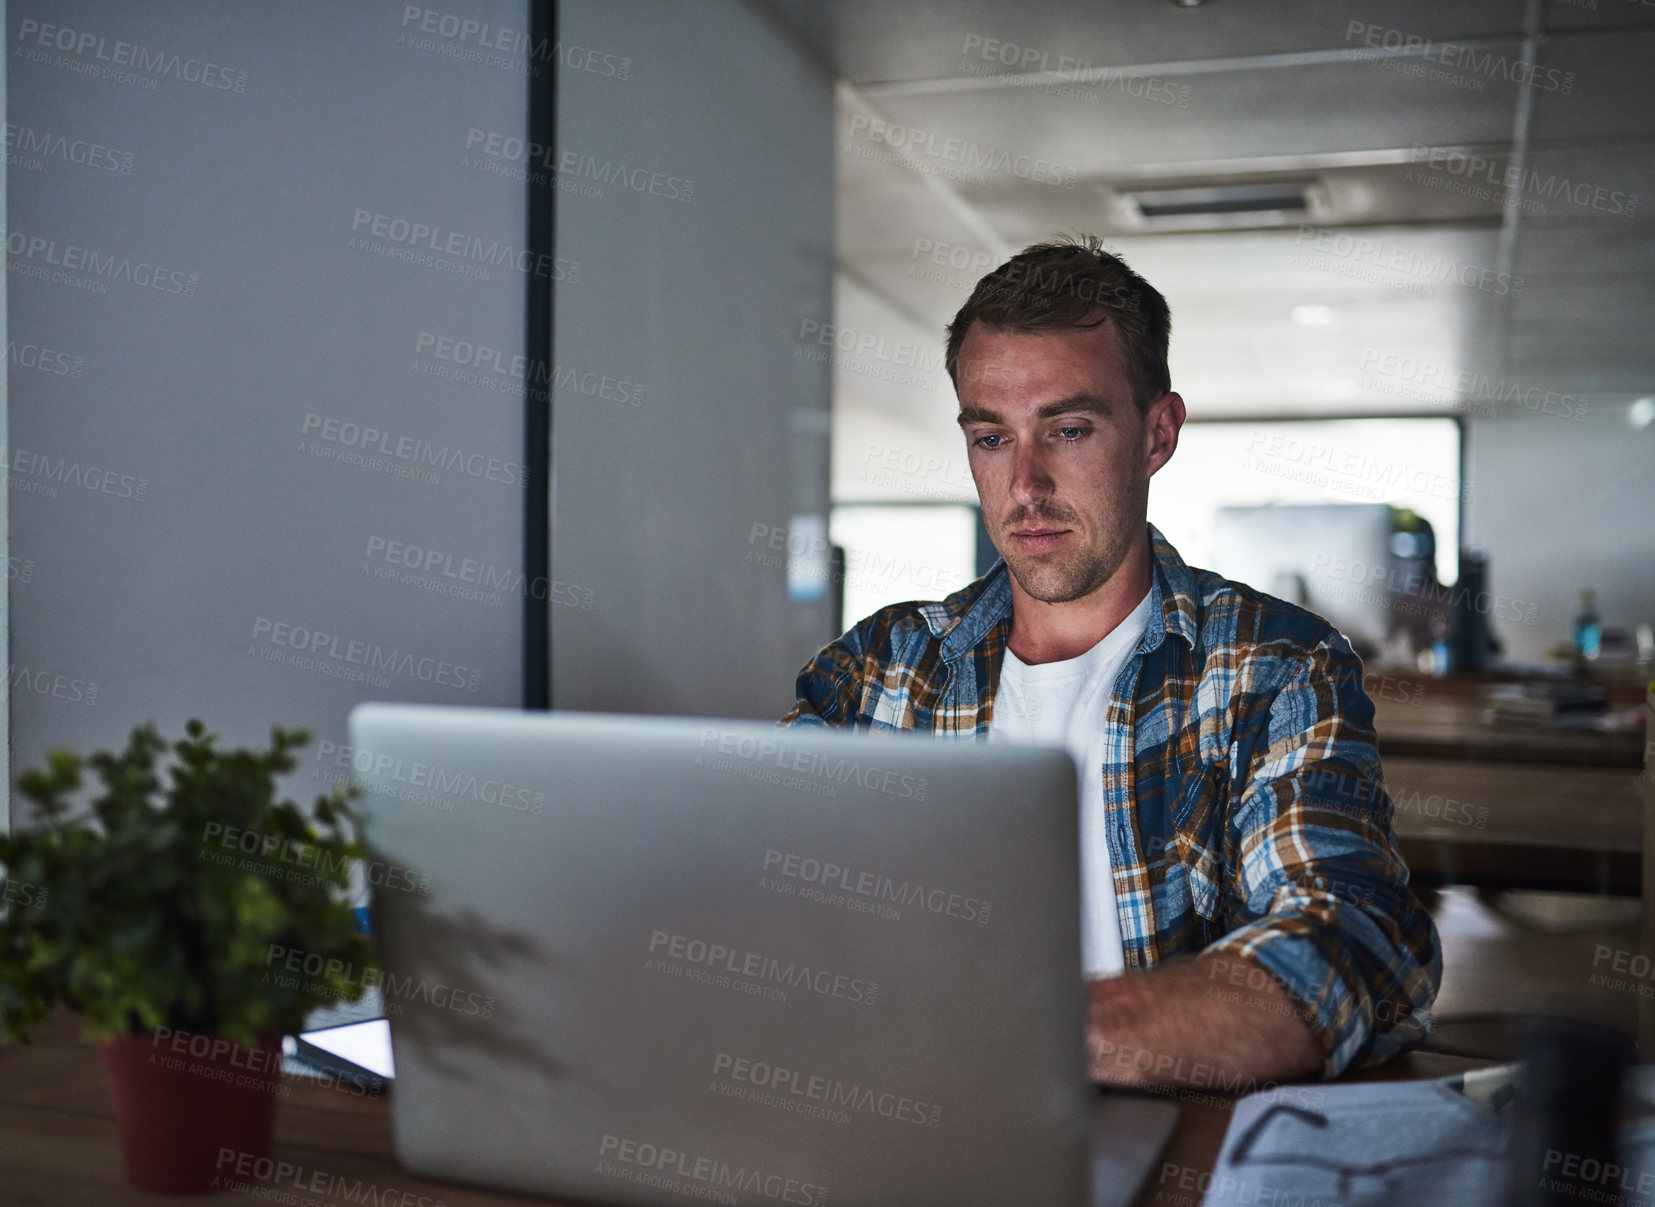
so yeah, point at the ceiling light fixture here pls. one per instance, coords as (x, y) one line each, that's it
(1215, 206)
(1227, 199)
(1641, 413)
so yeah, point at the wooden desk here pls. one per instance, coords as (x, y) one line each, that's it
(1519, 825)
(1432, 722)
(59, 1147)
(1510, 806)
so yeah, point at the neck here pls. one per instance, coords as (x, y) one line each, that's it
(1053, 632)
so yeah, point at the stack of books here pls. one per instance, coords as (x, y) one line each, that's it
(1559, 703)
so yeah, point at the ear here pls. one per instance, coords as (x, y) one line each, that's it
(1161, 426)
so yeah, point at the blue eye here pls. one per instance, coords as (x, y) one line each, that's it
(1071, 433)
(989, 441)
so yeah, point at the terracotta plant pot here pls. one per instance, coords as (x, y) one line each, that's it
(196, 1112)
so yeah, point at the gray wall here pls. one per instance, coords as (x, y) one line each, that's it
(216, 277)
(171, 500)
(5, 495)
(1560, 504)
(699, 300)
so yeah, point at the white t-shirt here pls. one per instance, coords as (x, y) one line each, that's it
(1066, 704)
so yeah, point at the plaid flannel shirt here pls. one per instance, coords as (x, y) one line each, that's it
(1246, 810)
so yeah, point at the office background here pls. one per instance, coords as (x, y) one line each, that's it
(305, 432)
(265, 316)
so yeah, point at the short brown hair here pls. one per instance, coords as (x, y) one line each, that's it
(1074, 283)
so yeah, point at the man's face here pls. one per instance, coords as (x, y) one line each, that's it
(1061, 457)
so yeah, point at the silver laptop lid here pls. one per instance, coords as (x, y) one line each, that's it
(647, 960)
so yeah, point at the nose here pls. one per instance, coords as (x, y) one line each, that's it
(1030, 480)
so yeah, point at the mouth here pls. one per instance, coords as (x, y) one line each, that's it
(1039, 540)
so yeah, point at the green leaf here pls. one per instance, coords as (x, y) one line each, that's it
(146, 920)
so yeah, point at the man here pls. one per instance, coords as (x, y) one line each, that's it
(1232, 808)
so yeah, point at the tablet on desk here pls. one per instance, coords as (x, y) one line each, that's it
(358, 1053)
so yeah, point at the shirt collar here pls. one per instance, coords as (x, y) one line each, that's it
(963, 620)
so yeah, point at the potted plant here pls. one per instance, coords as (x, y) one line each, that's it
(160, 917)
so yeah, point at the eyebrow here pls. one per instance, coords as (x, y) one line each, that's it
(1079, 404)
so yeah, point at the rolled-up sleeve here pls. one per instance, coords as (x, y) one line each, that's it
(828, 688)
(1319, 891)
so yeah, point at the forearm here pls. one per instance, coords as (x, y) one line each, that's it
(1318, 897)
(1157, 1027)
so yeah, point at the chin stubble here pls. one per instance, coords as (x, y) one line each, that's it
(1064, 582)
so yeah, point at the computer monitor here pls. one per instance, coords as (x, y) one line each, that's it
(1335, 559)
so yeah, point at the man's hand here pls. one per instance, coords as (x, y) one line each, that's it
(1223, 1014)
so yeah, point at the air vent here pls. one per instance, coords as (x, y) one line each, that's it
(1274, 204)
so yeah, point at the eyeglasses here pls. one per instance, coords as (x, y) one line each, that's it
(1384, 1176)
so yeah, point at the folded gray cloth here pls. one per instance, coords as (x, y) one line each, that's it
(1444, 1143)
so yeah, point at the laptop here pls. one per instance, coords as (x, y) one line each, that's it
(645, 960)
